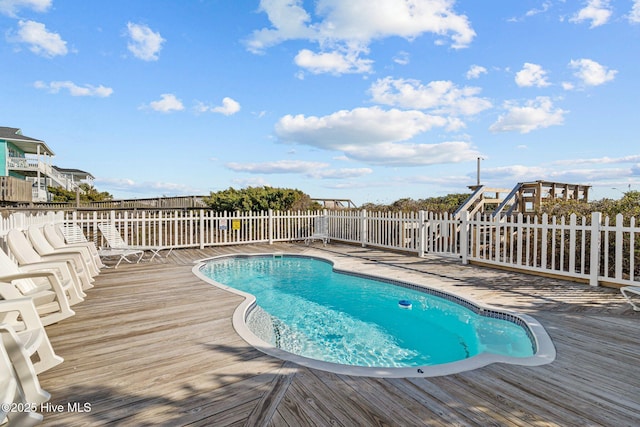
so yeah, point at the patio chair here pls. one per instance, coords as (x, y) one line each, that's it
(73, 235)
(320, 230)
(22, 316)
(629, 292)
(56, 238)
(39, 241)
(115, 241)
(18, 381)
(45, 275)
(25, 254)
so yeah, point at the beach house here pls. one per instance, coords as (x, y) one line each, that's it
(26, 169)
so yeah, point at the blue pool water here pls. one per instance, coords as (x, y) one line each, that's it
(307, 309)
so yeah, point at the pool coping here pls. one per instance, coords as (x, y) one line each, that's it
(544, 351)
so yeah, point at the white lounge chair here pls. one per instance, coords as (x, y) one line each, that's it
(115, 241)
(44, 275)
(25, 254)
(73, 235)
(18, 381)
(22, 316)
(629, 292)
(320, 230)
(56, 238)
(41, 244)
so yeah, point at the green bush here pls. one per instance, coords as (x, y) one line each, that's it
(259, 199)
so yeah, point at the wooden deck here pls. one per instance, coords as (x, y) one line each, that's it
(153, 345)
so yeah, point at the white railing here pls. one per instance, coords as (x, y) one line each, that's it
(197, 228)
(592, 249)
(34, 164)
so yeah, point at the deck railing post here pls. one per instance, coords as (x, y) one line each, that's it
(270, 226)
(363, 228)
(421, 228)
(464, 237)
(201, 233)
(594, 262)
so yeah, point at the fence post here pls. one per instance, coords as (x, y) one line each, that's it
(464, 237)
(363, 228)
(270, 226)
(421, 237)
(202, 231)
(594, 263)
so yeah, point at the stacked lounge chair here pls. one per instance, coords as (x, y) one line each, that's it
(40, 279)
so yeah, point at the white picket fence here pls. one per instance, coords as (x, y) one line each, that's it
(593, 249)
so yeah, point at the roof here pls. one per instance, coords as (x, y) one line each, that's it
(24, 143)
(75, 172)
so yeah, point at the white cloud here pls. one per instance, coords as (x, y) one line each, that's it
(412, 154)
(350, 26)
(11, 7)
(75, 90)
(568, 86)
(403, 58)
(229, 107)
(475, 72)
(591, 73)
(545, 6)
(339, 173)
(634, 15)
(602, 177)
(535, 114)
(596, 11)
(531, 75)
(41, 41)
(126, 185)
(332, 62)
(375, 136)
(440, 96)
(280, 166)
(145, 44)
(635, 158)
(167, 103)
(318, 170)
(356, 127)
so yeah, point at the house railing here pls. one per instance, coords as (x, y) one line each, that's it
(592, 249)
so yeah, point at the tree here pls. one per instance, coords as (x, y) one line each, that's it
(88, 193)
(259, 199)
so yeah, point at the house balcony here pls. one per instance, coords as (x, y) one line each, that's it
(32, 166)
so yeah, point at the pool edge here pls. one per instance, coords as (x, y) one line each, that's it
(545, 350)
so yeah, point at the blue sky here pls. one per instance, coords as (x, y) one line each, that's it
(370, 100)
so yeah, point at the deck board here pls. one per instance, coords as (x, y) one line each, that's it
(153, 345)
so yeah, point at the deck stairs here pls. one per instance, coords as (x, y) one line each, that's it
(482, 199)
(509, 203)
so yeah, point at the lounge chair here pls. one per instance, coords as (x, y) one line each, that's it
(25, 254)
(629, 292)
(45, 275)
(320, 230)
(22, 316)
(18, 381)
(56, 238)
(73, 235)
(41, 244)
(115, 241)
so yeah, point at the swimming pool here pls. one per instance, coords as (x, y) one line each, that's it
(349, 323)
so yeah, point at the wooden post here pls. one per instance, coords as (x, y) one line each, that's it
(594, 260)
(464, 237)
